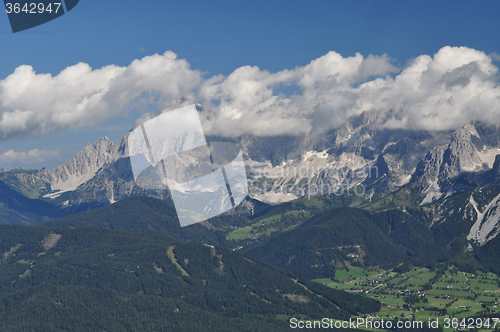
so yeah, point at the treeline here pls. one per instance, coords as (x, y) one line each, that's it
(141, 214)
(351, 303)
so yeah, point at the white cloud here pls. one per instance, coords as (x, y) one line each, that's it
(248, 100)
(445, 91)
(31, 156)
(454, 87)
(42, 104)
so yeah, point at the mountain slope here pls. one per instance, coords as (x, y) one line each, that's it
(83, 166)
(348, 236)
(15, 208)
(470, 218)
(142, 215)
(77, 308)
(69, 269)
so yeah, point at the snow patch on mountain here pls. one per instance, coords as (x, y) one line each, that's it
(81, 168)
(315, 172)
(431, 193)
(72, 181)
(486, 226)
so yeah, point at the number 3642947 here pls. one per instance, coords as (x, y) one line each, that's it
(33, 8)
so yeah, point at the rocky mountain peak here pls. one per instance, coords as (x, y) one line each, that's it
(496, 164)
(82, 167)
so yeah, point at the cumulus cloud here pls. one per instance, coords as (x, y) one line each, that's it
(453, 87)
(28, 156)
(249, 99)
(79, 96)
(456, 86)
(446, 91)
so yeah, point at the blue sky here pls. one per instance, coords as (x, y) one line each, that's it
(217, 37)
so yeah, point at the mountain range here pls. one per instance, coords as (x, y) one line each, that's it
(428, 168)
(361, 195)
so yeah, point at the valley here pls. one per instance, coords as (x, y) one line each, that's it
(422, 294)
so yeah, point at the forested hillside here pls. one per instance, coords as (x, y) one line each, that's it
(356, 237)
(92, 278)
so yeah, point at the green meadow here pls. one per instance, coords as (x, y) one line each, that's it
(422, 294)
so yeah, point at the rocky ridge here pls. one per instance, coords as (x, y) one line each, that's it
(360, 153)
